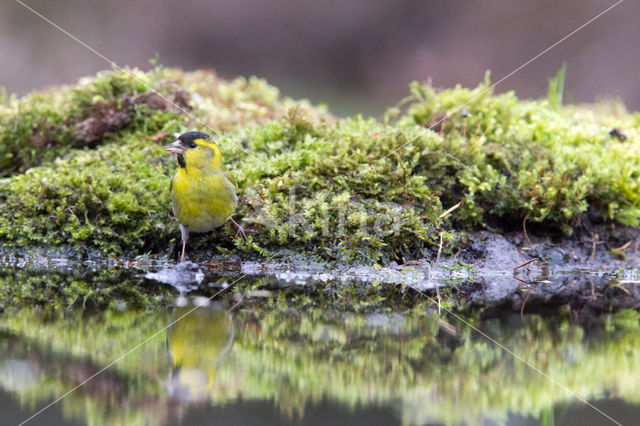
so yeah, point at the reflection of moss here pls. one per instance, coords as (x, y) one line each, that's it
(59, 289)
(100, 338)
(297, 358)
(64, 349)
(67, 348)
(341, 189)
(293, 357)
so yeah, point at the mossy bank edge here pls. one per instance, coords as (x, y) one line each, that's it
(84, 168)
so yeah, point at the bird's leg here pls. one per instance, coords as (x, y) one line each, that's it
(239, 228)
(185, 237)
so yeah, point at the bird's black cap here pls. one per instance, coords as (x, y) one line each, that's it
(192, 136)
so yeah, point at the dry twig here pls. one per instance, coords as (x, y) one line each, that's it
(522, 265)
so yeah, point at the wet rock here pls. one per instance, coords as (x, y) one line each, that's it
(185, 276)
(493, 252)
(491, 290)
(580, 292)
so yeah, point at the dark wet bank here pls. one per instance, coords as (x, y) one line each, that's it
(594, 271)
(516, 285)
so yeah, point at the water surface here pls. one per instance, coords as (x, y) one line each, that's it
(257, 354)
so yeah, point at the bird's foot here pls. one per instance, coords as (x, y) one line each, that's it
(239, 229)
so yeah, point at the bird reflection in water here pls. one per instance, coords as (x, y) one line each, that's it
(197, 343)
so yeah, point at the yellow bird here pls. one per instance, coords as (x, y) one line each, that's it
(202, 195)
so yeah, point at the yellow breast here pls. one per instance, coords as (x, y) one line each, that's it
(202, 201)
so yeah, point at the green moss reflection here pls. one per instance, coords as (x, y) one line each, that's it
(430, 368)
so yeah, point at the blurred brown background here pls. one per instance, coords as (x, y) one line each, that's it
(355, 55)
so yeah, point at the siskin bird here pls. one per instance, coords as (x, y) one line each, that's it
(202, 195)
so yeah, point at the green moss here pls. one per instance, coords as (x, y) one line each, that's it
(508, 159)
(44, 125)
(336, 191)
(112, 195)
(349, 189)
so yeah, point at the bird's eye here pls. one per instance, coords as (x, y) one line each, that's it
(192, 145)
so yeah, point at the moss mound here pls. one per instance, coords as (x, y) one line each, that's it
(85, 167)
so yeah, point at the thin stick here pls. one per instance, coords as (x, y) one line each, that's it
(524, 229)
(235, 305)
(594, 246)
(621, 287)
(452, 208)
(523, 305)
(449, 328)
(624, 246)
(522, 265)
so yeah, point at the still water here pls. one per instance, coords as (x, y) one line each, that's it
(260, 355)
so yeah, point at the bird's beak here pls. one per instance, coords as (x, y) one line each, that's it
(175, 148)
